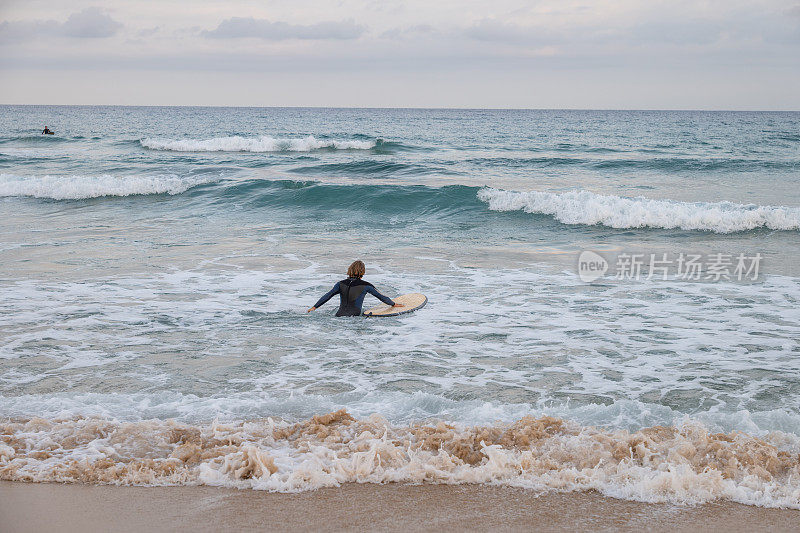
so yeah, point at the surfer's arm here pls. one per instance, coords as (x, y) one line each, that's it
(327, 296)
(388, 301)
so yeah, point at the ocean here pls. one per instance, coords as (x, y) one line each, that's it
(156, 265)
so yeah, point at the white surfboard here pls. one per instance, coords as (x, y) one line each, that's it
(411, 302)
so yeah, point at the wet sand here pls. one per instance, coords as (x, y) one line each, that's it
(67, 508)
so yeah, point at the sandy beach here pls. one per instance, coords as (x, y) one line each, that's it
(66, 508)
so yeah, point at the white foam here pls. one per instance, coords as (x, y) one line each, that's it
(77, 187)
(470, 356)
(397, 407)
(685, 463)
(584, 207)
(253, 144)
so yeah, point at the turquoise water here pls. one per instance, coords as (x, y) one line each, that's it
(156, 263)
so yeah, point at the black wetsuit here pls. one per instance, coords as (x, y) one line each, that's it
(351, 296)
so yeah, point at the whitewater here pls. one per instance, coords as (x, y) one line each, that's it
(584, 207)
(155, 281)
(572, 207)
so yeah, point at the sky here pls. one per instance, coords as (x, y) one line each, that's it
(566, 54)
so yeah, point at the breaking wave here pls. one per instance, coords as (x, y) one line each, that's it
(80, 187)
(254, 144)
(584, 207)
(685, 463)
(573, 207)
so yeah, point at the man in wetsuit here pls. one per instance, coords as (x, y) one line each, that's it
(352, 292)
(46, 131)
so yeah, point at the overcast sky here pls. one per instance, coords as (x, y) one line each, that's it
(619, 54)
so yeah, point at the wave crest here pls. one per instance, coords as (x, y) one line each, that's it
(584, 207)
(254, 144)
(81, 187)
(686, 463)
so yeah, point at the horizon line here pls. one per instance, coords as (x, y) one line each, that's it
(423, 108)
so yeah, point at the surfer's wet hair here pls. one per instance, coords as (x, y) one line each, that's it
(356, 270)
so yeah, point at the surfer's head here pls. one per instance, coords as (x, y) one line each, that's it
(356, 270)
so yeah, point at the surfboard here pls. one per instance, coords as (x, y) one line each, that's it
(411, 302)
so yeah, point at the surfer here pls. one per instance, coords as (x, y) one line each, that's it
(352, 292)
(47, 131)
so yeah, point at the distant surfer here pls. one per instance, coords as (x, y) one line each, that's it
(352, 291)
(47, 131)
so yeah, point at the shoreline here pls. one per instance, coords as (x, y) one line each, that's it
(391, 507)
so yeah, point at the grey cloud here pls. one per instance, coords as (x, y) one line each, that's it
(25, 29)
(411, 31)
(240, 27)
(496, 31)
(147, 32)
(684, 32)
(91, 23)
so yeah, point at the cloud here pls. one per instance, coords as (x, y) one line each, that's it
(414, 31)
(658, 32)
(148, 32)
(241, 27)
(496, 31)
(23, 30)
(683, 32)
(400, 47)
(91, 23)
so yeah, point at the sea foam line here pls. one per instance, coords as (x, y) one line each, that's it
(584, 207)
(253, 144)
(685, 463)
(79, 187)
